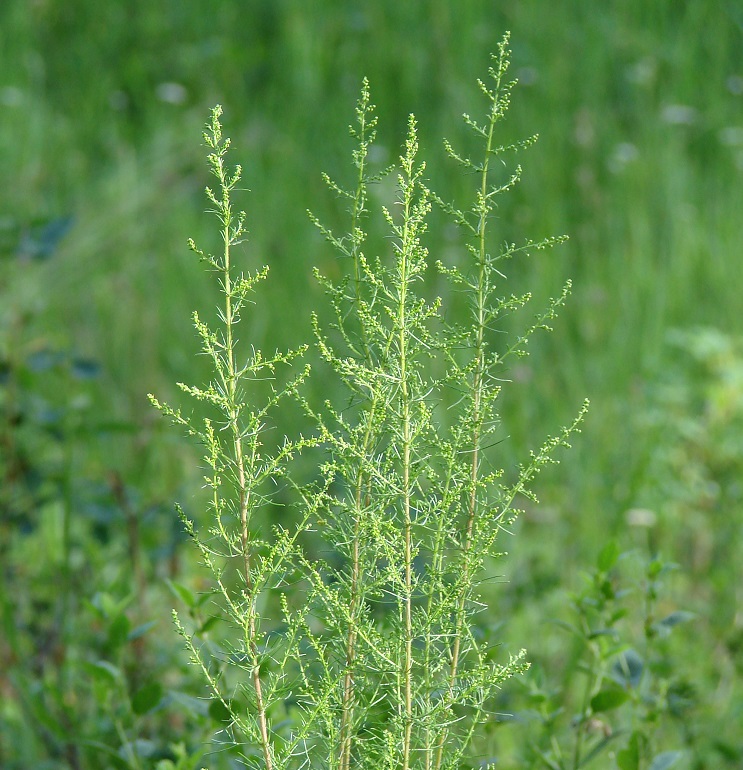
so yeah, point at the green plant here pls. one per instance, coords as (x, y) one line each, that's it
(80, 668)
(691, 493)
(621, 686)
(379, 659)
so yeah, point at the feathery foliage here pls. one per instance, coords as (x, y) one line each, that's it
(381, 661)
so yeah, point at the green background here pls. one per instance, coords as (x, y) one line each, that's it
(639, 107)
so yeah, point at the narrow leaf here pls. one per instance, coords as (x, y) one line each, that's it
(181, 592)
(665, 760)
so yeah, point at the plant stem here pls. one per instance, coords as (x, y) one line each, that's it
(406, 246)
(349, 693)
(240, 463)
(477, 396)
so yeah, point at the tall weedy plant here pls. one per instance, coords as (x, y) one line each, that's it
(239, 470)
(379, 661)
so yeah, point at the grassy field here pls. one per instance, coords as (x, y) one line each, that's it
(640, 161)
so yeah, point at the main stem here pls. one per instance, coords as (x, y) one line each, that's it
(477, 395)
(240, 462)
(349, 692)
(406, 418)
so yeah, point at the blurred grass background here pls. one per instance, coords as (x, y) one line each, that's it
(639, 107)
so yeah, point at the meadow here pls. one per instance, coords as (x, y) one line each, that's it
(622, 583)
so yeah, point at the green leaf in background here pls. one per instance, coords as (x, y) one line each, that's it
(84, 368)
(41, 713)
(107, 607)
(139, 748)
(629, 757)
(627, 669)
(665, 760)
(118, 631)
(104, 672)
(601, 632)
(219, 712)
(609, 698)
(565, 626)
(608, 556)
(40, 239)
(184, 594)
(141, 630)
(147, 698)
(665, 626)
(599, 747)
(209, 624)
(607, 590)
(187, 703)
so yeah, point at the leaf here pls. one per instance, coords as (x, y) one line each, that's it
(84, 368)
(140, 748)
(147, 697)
(43, 360)
(180, 591)
(629, 757)
(608, 556)
(608, 699)
(141, 630)
(565, 626)
(665, 626)
(680, 616)
(607, 589)
(203, 598)
(547, 759)
(104, 672)
(42, 713)
(107, 606)
(113, 754)
(601, 632)
(40, 240)
(219, 712)
(194, 706)
(208, 624)
(665, 760)
(627, 669)
(599, 747)
(118, 631)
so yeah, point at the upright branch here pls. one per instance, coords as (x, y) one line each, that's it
(411, 261)
(352, 305)
(234, 296)
(364, 132)
(498, 94)
(239, 467)
(481, 280)
(382, 323)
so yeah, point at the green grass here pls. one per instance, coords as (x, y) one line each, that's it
(651, 205)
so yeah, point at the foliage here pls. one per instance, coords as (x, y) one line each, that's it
(639, 160)
(621, 687)
(381, 654)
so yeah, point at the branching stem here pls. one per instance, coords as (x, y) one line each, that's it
(477, 395)
(244, 465)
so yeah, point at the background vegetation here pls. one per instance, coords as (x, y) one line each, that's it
(638, 106)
